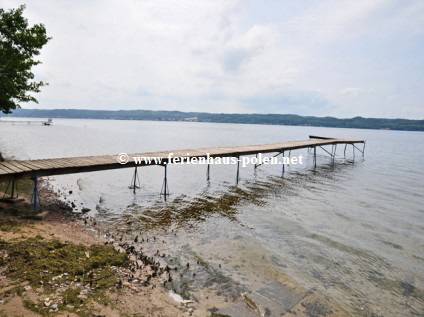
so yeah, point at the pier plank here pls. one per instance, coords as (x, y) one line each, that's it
(10, 166)
(20, 166)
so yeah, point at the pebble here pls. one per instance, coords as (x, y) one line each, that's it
(53, 307)
(47, 302)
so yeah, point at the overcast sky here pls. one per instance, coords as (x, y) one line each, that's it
(330, 57)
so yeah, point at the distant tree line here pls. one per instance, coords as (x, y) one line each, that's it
(274, 119)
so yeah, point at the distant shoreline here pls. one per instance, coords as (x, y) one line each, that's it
(266, 119)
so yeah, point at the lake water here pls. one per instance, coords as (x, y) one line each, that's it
(353, 231)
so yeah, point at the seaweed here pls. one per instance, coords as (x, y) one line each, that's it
(9, 225)
(40, 260)
(72, 274)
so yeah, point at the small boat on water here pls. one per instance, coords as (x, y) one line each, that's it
(48, 122)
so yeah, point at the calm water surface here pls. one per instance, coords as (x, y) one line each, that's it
(353, 231)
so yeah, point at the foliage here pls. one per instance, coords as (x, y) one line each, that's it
(19, 45)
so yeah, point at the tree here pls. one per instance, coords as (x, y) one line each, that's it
(19, 45)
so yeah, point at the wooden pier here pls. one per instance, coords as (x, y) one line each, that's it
(15, 169)
(47, 122)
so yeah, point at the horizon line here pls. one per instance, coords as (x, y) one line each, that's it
(204, 112)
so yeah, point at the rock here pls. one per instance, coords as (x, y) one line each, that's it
(187, 301)
(85, 210)
(53, 307)
(126, 283)
(47, 302)
(54, 278)
(176, 297)
(39, 216)
(1, 302)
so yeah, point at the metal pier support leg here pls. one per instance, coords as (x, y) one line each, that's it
(238, 169)
(289, 155)
(12, 195)
(165, 190)
(135, 182)
(315, 157)
(345, 150)
(208, 172)
(35, 194)
(7, 189)
(353, 149)
(14, 189)
(282, 174)
(334, 153)
(363, 150)
(256, 165)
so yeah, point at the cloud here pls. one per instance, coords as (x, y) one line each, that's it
(243, 48)
(333, 20)
(289, 102)
(351, 92)
(233, 55)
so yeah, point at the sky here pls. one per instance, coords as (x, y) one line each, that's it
(339, 58)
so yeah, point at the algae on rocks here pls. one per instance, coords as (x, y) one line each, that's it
(69, 274)
(39, 260)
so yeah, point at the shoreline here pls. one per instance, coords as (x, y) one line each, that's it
(61, 224)
(142, 286)
(368, 123)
